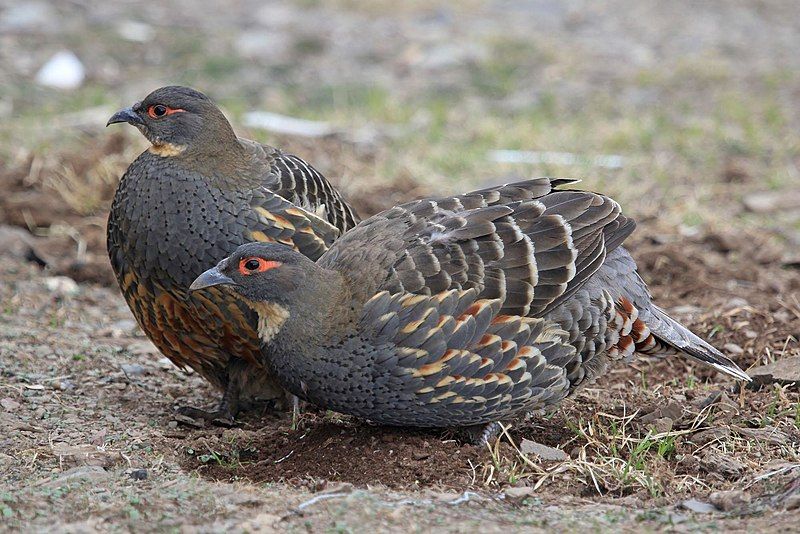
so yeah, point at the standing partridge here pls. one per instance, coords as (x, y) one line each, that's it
(457, 311)
(187, 202)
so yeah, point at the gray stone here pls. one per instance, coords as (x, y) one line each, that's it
(722, 464)
(771, 201)
(729, 501)
(135, 31)
(672, 411)
(699, 506)
(767, 434)
(86, 473)
(712, 434)
(9, 405)
(138, 474)
(543, 451)
(785, 371)
(133, 369)
(518, 493)
(61, 286)
(733, 348)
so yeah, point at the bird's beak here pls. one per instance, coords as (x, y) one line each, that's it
(125, 115)
(211, 277)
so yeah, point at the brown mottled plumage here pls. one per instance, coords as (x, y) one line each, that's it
(187, 202)
(457, 311)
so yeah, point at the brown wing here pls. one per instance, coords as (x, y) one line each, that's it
(525, 244)
(273, 219)
(458, 288)
(456, 358)
(304, 186)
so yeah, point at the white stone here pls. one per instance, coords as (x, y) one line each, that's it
(61, 286)
(63, 71)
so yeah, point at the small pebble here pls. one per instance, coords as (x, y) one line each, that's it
(731, 500)
(543, 451)
(707, 436)
(139, 474)
(62, 71)
(9, 405)
(188, 421)
(133, 369)
(733, 348)
(61, 286)
(135, 31)
(699, 506)
(662, 425)
(65, 385)
(518, 493)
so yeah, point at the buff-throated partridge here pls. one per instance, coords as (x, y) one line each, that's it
(189, 200)
(457, 311)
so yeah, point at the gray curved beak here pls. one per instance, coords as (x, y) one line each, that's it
(211, 277)
(125, 115)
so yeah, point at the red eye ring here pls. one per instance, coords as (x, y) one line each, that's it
(157, 111)
(254, 264)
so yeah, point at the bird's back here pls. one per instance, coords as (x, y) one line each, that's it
(477, 307)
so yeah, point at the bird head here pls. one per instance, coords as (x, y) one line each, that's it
(260, 273)
(175, 119)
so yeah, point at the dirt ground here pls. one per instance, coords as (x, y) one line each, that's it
(701, 103)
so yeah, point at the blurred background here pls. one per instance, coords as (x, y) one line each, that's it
(686, 112)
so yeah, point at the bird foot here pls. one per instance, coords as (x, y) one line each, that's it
(219, 417)
(480, 435)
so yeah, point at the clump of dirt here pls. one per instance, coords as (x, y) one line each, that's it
(341, 451)
(66, 204)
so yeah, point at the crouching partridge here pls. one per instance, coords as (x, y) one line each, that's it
(457, 311)
(189, 200)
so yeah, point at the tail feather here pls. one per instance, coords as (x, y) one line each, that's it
(666, 333)
(653, 330)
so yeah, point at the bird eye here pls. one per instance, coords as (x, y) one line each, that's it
(157, 111)
(254, 265)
